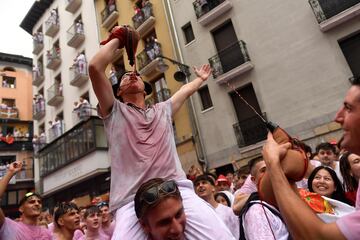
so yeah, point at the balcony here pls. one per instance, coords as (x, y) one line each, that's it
(148, 59)
(109, 16)
(83, 113)
(208, 10)
(52, 25)
(330, 13)
(83, 139)
(78, 74)
(26, 174)
(39, 109)
(53, 58)
(9, 113)
(75, 35)
(72, 5)
(230, 62)
(38, 75)
(38, 42)
(17, 145)
(55, 95)
(144, 20)
(56, 130)
(250, 131)
(161, 96)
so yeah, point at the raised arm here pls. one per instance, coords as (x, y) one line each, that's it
(101, 85)
(13, 169)
(188, 89)
(301, 221)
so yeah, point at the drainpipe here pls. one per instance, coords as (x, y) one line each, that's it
(200, 150)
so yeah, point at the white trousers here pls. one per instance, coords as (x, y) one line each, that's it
(202, 222)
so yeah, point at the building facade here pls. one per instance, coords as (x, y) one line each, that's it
(290, 60)
(16, 128)
(69, 140)
(155, 48)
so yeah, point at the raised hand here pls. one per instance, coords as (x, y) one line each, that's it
(15, 167)
(203, 72)
(274, 152)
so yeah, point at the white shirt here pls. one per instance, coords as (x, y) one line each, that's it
(229, 218)
(258, 227)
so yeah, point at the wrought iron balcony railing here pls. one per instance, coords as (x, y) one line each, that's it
(38, 42)
(26, 173)
(250, 131)
(55, 94)
(52, 25)
(9, 112)
(78, 73)
(229, 58)
(325, 9)
(53, 58)
(56, 130)
(145, 13)
(19, 144)
(39, 109)
(109, 15)
(83, 113)
(82, 139)
(38, 75)
(150, 53)
(202, 7)
(75, 34)
(161, 96)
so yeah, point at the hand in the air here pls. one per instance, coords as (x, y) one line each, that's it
(15, 167)
(203, 72)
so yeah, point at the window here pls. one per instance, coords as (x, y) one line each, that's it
(161, 89)
(9, 102)
(188, 32)
(8, 82)
(9, 69)
(205, 98)
(351, 50)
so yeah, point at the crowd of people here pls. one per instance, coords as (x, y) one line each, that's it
(151, 197)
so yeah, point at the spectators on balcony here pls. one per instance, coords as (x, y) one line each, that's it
(111, 6)
(146, 9)
(38, 37)
(79, 27)
(80, 64)
(82, 109)
(54, 19)
(36, 72)
(35, 143)
(39, 103)
(55, 128)
(152, 48)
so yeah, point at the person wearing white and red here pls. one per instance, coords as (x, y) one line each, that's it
(309, 226)
(30, 209)
(260, 220)
(142, 146)
(205, 188)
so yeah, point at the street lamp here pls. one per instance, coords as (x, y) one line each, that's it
(179, 76)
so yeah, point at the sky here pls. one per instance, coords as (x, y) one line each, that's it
(14, 39)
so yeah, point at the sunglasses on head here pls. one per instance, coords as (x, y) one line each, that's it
(152, 195)
(102, 204)
(29, 194)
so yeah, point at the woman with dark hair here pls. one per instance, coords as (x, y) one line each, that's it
(221, 198)
(350, 170)
(324, 181)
